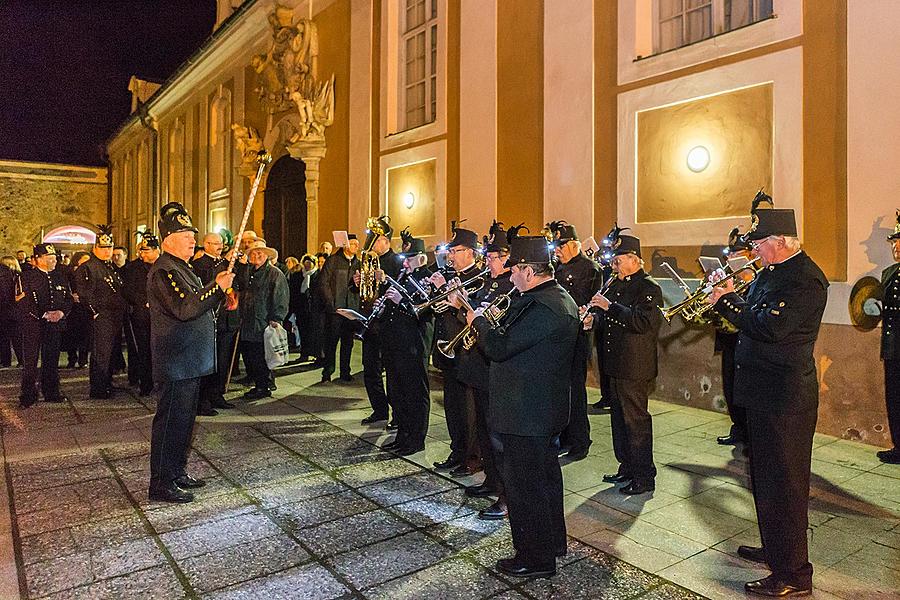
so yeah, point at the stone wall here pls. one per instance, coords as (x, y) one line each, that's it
(36, 197)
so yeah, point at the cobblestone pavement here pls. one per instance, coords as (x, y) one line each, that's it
(301, 504)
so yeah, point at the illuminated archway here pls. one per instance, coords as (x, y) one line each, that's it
(70, 234)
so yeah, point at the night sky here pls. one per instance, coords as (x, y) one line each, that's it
(65, 66)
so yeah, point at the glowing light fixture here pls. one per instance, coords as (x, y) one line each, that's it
(698, 159)
(409, 199)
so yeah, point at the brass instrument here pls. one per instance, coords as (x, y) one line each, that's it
(369, 264)
(694, 307)
(493, 312)
(477, 280)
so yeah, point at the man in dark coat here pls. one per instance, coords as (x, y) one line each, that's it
(890, 346)
(99, 288)
(531, 356)
(182, 337)
(44, 307)
(335, 289)
(264, 303)
(581, 277)
(776, 381)
(134, 288)
(631, 319)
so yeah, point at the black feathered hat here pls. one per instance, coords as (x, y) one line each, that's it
(626, 244)
(104, 236)
(531, 249)
(173, 218)
(561, 232)
(496, 239)
(896, 234)
(463, 237)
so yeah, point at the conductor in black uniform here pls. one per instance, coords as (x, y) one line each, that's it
(630, 317)
(890, 346)
(99, 288)
(44, 307)
(581, 277)
(183, 340)
(134, 280)
(775, 380)
(531, 356)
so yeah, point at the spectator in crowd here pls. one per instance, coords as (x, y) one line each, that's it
(119, 256)
(292, 322)
(307, 317)
(10, 289)
(326, 248)
(77, 336)
(337, 290)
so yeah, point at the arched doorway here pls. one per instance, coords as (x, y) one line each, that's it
(284, 211)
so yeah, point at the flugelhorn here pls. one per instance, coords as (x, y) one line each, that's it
(493, 312)
(695, 305)
(476, 280)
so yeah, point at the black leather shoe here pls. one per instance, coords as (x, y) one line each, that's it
(480, 491)
(207, 412)
(100, 395)
(617, 478)
(563, 450)
(257, 393)
(729, 440)
(601, 405)
(26, 402)
(56, 400)
(409, 450)
(778, 588)
(392, 426)
(494, 512)
(272, 387)
(144, 392)
(171, 493)
(391, 445)
(347, 378)
(638, 487)
(576, 454)
(513, 568)
(373, 418)
(222, 404)
(325, 379)
(450, 463)
(186, 482)
(464, 470)
(752, 553)
(891, 457)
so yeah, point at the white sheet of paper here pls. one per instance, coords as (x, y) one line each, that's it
(341, 240)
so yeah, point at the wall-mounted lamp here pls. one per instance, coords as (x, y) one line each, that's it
(409, 199)
(698, 159)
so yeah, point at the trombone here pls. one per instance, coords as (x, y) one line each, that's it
(493, 312)
(476, 280)
(695, 306)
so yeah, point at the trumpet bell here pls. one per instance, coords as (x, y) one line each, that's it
(445, 347)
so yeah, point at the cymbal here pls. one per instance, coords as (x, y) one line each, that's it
(866, 288)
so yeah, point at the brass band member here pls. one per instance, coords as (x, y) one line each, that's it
(630, 322)
(183, 342)
(890, 346)
(44, 307)
(531, 356)
(461, 258)
(776, 382)
(581, 277)
(474, 371)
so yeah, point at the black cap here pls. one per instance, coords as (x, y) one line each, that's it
(771, 221)
(352, 236)
(561, 232)
(496, 239)
(375, 227)
(149, 240)
(104, 236)
(532, 249)
(626, 244)
(464, 237)
(43, 250)
(173, 218)
(736, 241)
(896, 234)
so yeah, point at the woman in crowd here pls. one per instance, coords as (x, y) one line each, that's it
(10, 289)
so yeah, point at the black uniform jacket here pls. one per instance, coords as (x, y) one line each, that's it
(627, 331)
(474, 366)
(134, 288)
(99, 287)
(779, 322)
(890, 313)
(403, 330)
(581, 277)
(182, 321)
(206, 267)
(45, 292)
(335, 283)
(265, 299)
(447, 324)
(531, 359)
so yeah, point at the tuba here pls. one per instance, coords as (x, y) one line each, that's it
(369, 263)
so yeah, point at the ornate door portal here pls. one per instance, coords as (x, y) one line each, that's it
(284, 208)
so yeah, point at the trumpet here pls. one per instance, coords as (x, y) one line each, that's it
(695, 306)
(476, 280)
(493, 312)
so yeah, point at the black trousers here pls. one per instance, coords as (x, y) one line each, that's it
(39, 338)
(780, 456)
(738, 414)
(141, 360)
(492, 476)
(131, 345)
(254, 354)
(373, 355)
(534, 495)
(577, 434)
(632, 428)
(892, 398)
(10, 341)
(212, 386)
(107, 332)
(456, 411)
(337, 328)
(173, 424)
(408, 382)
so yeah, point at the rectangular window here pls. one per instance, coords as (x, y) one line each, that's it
(419, 62)
(682, 22)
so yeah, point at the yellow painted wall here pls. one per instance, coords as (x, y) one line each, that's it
(418, 179)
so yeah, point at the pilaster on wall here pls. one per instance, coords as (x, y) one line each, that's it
(605, 114)
(359, 181)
